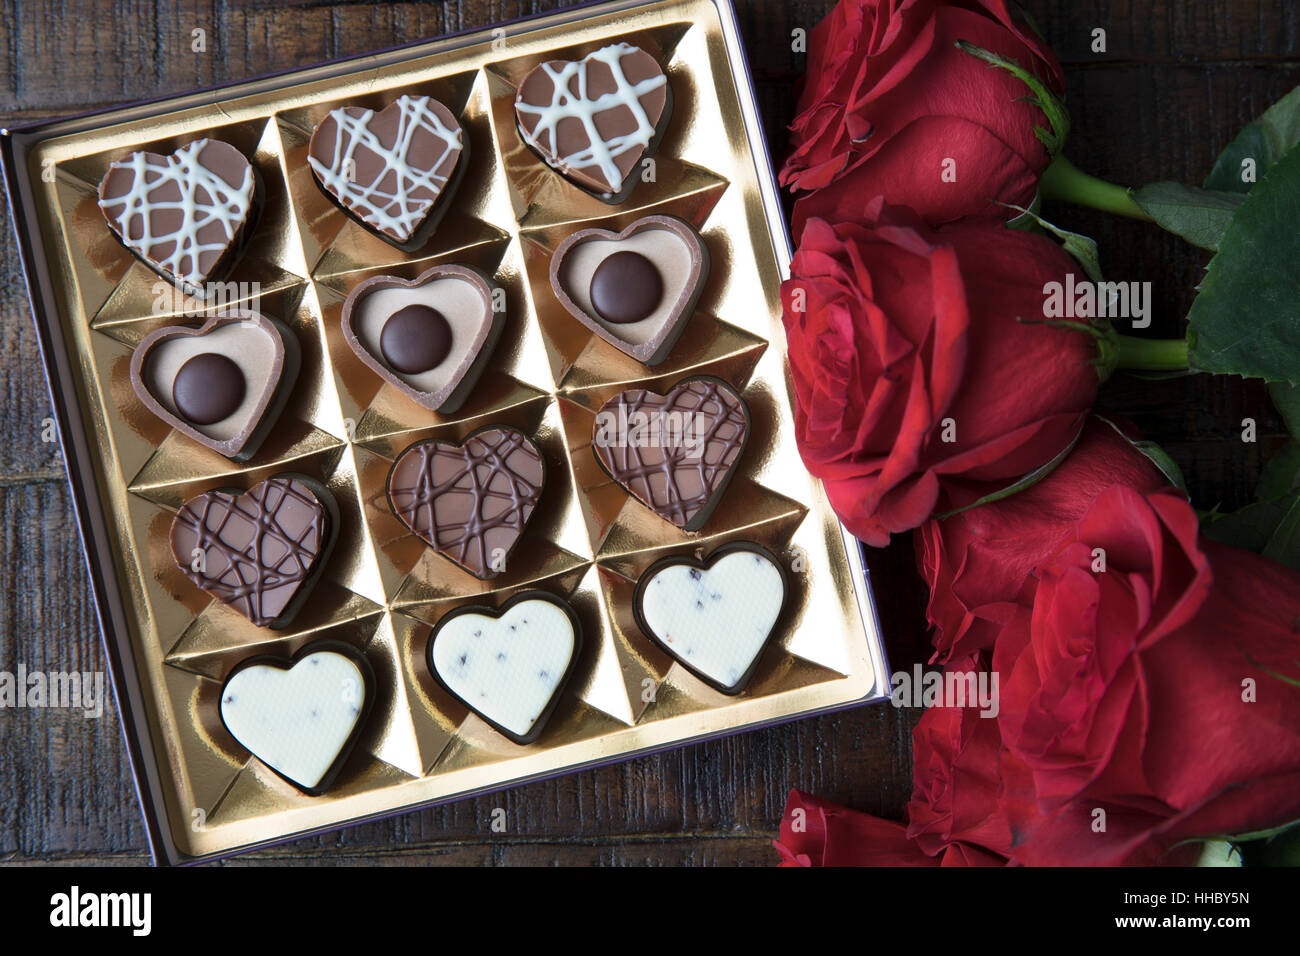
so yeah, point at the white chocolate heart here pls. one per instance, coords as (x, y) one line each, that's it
(715, 619)
(507, 668)
(296, 720)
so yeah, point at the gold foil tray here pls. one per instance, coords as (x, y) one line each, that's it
(382, 588)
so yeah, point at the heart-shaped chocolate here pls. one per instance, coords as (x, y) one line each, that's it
(714, 616)
(390, 169)
(636, 289)
(222, 384)
(261, 551)
(302, 717)
(675, 453)
(431, 338)
(470, 501)
(185, 215)
(508, 666)
(593, 119)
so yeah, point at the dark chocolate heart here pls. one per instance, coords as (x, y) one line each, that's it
(461, 298)
(675, 453)
(471, 501)
(674, 252)
(390, 168)
(259, 552)
(593, 119)
(184, 214)
(171, 373)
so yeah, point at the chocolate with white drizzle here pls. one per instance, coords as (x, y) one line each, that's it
(184, 215)
(593, 119)
(389, 169)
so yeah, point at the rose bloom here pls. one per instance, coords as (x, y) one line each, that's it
(889, 103)
(976, 561)
(924, 375)
(954, 811)
(1154, 675)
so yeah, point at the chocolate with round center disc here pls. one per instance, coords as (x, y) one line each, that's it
(415, 339)
(208, 388)
(626, 288)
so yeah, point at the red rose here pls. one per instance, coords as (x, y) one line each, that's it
(956, 782)
(1154, 677)
(979, 559)
(817, 832)
(916, 381)
(889, 103)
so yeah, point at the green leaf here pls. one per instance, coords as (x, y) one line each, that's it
(1157, 455)
(1250, 527)
(1218, 853)
(1282, 848)
(1160, 458)
(1270, 528)
(1283, 544)
(1246, 319)
(1282, 473)
(1020, 484)
(1263, 142)
(1082, 248)
(1286, 399)
(1047, 101)
(1201, 216)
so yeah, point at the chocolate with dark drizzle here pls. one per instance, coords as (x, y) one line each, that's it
(470, 502)
(667, 477)
(258, 548)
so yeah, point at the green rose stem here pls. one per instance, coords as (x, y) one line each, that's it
(1151, 355)
(1117, 351)
(1067, 182)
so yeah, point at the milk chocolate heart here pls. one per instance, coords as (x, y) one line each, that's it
(390, 169)
(470, 501)
(185, 215)
(302, 717)
(261, 551)
(508, 666)
(431, 338)
(222, 384)
(675, 453)
(714, 616)
(635, 289)
(593, 119)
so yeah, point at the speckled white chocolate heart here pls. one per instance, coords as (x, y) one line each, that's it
(507, 668)
(715, 620)
(296, 720)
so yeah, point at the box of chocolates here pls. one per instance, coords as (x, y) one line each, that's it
(428, 422)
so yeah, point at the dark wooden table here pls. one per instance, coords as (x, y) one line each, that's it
(1177, 80)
